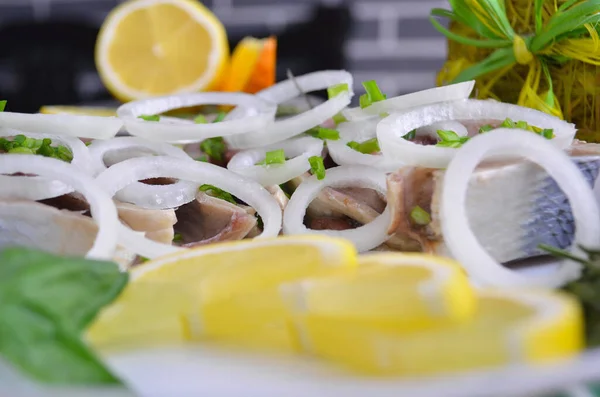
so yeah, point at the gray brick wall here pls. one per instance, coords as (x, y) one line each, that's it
(391, 40)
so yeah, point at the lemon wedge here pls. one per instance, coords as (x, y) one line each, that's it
(157, 47)
(507, 327)
(227, 291)
(80, 110)
(252, 66)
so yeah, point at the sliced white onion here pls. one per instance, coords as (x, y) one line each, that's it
(298, 150)
(120, 175)
(391, 129)
(141, 194)
(252, 113)
(102, 207)
(413, 100)
(359, 130)
(432, 129)
(94, 127)
(344, 155)
(295, 125)
(31, 187)
(365, 237)
(457, 232)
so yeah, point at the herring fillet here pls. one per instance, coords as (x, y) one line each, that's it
(514, 208)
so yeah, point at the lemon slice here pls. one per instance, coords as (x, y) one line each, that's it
(508, 327)
(80, 110)
(158, 47)
(229, 291)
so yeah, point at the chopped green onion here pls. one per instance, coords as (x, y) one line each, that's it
(522, 125)
(217, 193)
(149, 117)
(547, 133)
(485, 128)
(384, 115)
(177, 237)
(410, 135)
(373, 91)
(143, 259)
(317, 166)
(366, 147)
(336, 90)
(220, 117)
(324, 133)
(450, 139)
(25, 145)
(420, 216)
(88, 143)
(2, 105)
(21, 150)
(200, 119)
(273, 157)
(364, 101)
(508, 123)
(214, 148)
(203, 158)
(339, 118)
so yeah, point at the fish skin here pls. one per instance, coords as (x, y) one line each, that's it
(551, 219)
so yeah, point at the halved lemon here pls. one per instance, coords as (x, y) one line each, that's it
(228, 291)
(156, 47)
(507, 327)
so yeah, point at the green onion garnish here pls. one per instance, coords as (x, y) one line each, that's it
(200, 119)
(522, 125)
(336, 90)
(149, 117)
(364, 101)
(450, 139)
(508, 123)
(420, 216)
(177, 237)
(373, 91)
(214, 148)
(547, 133)
(203, 158)
(366, 147)
(324, 133)
(217, 193)
(339, 118)
(25, 145)
(485, 128)
(220, 117)
(410, 135)
(273, 157)
(2, 105)
(317, 167)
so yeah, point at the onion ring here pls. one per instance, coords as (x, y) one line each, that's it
(344, 155)
(457, 232)
(365, 237)
(102, 207)
(141, 194)
(391, 130)
(297, 149)
(93, 127)
(251, 113)
(295, 125)
(452, 92)
(122, 174)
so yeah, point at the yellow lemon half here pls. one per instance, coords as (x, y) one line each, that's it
(157, 47)
(227, 291)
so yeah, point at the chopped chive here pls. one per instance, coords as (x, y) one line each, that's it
(447, 135)
(21, 150)
(410, 135)
(366, 147)
(200, 119)
(202, 158)
(485, 128)
(214, 148)
(177, 237)
(364, 101)
(373, 91)
(522, 125)
(547, 133)
(324, 133)
(317, 166)
(20, 139)
(143, 259)
(220, 117)
(273, 157)
(420, 216)
(339, 118)
(217, 193)
(337, 89)
(149, 117)
(508, 123)
(384, 115)
(450, 139)
(2, 105)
